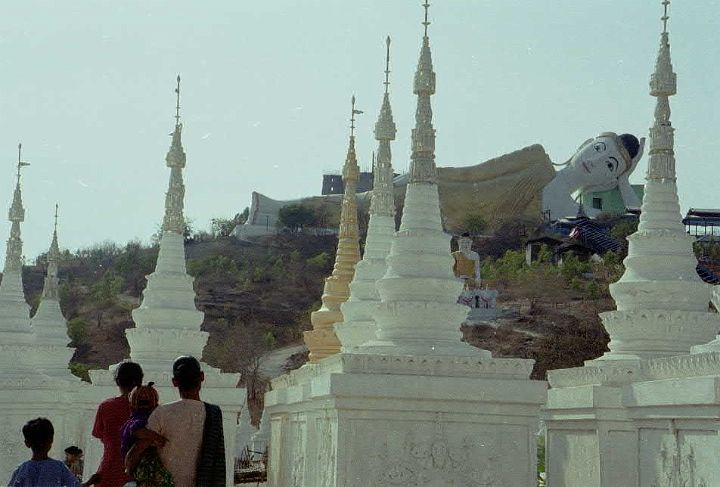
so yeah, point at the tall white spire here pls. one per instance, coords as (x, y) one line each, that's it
(418, 313)
(167, 322)
(16, 336)
(662, 304)
(49, 324)
(359, 326)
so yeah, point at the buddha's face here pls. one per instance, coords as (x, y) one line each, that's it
(598, 162)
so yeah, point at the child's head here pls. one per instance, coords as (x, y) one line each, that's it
(39, 434)
(144, 398)
(128, 375)
(73, 454)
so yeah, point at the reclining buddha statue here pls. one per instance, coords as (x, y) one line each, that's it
(519, 186)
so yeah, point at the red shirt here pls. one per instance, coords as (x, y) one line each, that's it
(111, 415)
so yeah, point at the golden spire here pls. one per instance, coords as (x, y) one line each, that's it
(321, 340)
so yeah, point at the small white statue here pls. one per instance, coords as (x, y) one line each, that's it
(600, 164)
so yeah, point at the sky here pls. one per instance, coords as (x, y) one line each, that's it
(88, 88)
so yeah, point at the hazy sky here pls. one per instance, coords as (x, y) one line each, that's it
(87, 86)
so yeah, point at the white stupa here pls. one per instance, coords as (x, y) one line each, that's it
(416, 405)
(49, 324)
(167, 321)
(662, 304)
(25, 392)
(359, 325)
(419, 313)
(16, 335)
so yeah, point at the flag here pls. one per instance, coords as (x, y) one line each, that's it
(22, 164)
(357, 112)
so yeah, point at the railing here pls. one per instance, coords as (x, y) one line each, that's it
(251, 467)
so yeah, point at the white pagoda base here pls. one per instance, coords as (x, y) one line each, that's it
(649, 423)
(365, 420)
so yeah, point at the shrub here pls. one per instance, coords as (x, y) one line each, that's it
(77, 331)
(318, 262)
(474, 223)
(80, 370)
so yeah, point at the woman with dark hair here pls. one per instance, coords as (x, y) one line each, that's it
(111, 415)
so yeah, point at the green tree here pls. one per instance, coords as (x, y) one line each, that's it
(80, 370)
(296, 217)
(77, 331)
(105, 294)
(474, 223)
(319, 262)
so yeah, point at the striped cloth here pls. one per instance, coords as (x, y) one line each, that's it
(211, 464)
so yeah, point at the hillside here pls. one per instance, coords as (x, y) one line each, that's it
(255, 296)
(258, 296)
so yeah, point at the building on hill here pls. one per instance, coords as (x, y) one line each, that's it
(333, 183)
(608, 201)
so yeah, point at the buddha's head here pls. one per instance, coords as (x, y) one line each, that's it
(600, 162)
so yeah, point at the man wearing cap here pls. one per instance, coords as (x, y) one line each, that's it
(195, 449)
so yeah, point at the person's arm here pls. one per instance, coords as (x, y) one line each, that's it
(155, 439)
(134, 455)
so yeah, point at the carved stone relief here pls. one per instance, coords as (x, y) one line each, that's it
(437, 460)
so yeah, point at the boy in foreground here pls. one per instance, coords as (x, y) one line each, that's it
(41, 470)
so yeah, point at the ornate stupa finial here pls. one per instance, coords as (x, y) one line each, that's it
(382, 201)
(177, 104)
(321, 340)
(16, 215)
(174, 220)
(660, 260)
(353, 112)
(426, 22)
(50, 290)
(422, 165)
(663, 85)
(387, 64)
